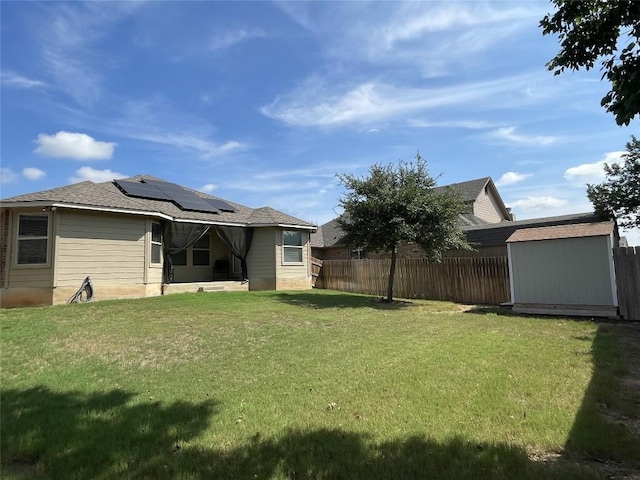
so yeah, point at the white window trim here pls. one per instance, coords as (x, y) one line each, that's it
(152, 264)
(47, 262)
(193, 249)
(301, 247)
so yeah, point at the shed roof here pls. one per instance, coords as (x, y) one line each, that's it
(577, 230)
(498, 233)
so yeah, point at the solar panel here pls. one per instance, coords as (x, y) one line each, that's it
(219, 204)
(136, 189)
(182, 197)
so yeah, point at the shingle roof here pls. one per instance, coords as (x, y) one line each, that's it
(498, 233)
(562, 231)
(469, 189)
(328, 235)
(108, 195)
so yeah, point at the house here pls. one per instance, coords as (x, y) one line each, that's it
(484, 207)
(564, 269)
(487, 224)
(140, 237)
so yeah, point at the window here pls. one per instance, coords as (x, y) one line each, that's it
(358, 253)
(156, 243)
(292, 245)
(201, 251)
(33, 233)
(180, 258)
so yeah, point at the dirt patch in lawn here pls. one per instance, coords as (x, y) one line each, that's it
(151, 351)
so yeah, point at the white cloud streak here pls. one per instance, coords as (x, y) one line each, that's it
(33, 173)
(511, 178)
(509, 135)
(537, 203)
(78, 146)
(208, 188)
(228, 38)
(94, 175)
(315, 104)
(12, 79)
(7, 175)
(592, 172)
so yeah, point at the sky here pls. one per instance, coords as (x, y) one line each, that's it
(265, 103)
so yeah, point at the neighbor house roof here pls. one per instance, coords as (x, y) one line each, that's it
(470, 189)
(562, 231)
(498, 233)
(327, 235)
(107, 196)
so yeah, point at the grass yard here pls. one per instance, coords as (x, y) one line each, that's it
(317, 384)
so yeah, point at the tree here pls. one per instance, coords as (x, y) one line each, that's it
(619, 195)
(396, 205)
(595, 29)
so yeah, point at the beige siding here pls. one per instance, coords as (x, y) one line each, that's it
(29, 276)
(293, 276)
(574, 271)
(487, 207)
(261, 261)
(109, 248)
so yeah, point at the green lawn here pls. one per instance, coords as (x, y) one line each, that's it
(314, 384)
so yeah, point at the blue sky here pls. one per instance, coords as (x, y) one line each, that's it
(262, 103)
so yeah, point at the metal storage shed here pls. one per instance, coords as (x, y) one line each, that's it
(564, 270)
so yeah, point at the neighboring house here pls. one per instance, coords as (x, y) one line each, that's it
(487, 224)
(140, 237)
(484, 206)
(564, 269)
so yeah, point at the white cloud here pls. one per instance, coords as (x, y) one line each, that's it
(510, 178)
(157, 121)
(94, 175)
(33, 173)
(208, 188)
(78, 146)
(536, 203)
(70, 35)
(222, 40)
(7, 175)
(317, 103)
(429, 36)
(509, 134)
(592, 172)
(12, 79)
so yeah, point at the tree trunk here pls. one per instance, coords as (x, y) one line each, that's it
(392, 272)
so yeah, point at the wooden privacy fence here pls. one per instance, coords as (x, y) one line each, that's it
(627, 264)
(316, 266)
(465, 280)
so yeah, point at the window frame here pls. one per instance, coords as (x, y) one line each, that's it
(153, 243)
(300, 247)
(19, 238)
(193, 248)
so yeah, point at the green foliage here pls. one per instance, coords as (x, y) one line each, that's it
(590, 30)
(396, 205)
(619, 195)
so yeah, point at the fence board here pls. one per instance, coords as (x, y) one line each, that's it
(627, 264)
(482, 280)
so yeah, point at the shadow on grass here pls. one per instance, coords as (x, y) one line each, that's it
(339, 300)
(48, 434)
(104, 435)
(487, 310)
(601, 427)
